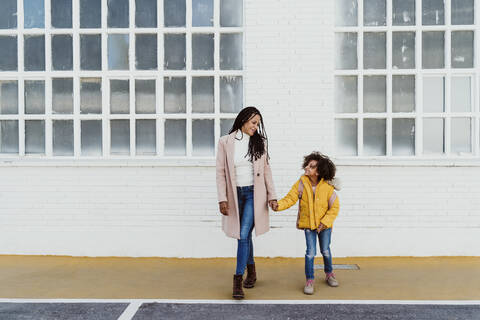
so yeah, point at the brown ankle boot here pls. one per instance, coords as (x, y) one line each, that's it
(237, 287)
(251, 276)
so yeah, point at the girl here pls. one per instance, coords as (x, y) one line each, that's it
(318, 209)
(244, 185)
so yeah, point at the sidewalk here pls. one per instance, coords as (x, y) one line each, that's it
(379, 278)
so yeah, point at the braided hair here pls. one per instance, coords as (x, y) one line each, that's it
(258, 143)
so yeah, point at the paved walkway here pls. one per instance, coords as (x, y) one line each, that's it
(52, 277)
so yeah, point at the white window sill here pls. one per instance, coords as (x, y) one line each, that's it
(408, 161)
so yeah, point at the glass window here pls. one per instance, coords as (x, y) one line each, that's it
(203, 137)
(35, 136)
(119, 96)
(202, 51)
(34, 14)
(433, 135)
(374, 94)
(461, 135)
(346, 13)
(62, 52)
(61, 13)
(433, 94)
(463, 12)
(62, 95)
(118, 52)
(231, 57)
(202, 13)
(174, 51)
(346, 94)
(175, 137)
(34, 53)
(8, 52)
(403, 93)
(403, 50)
(8, 14)
(203, 92)
(146, 51)
(91, 52)
(374, 12)
(62, 131)
(90, 95)
(433, 12)
(8, 97)
(9, 136)
(374, 137)
(174, 99)
(346, 51)
(461, 94)
(118, 14)
(346, 137)
(231, 13)
(374, 50)
(146, 137)
(174, 12)
(433, 53)
(146, 13)
(120, 137)
(145, 96)
(34, 97)
(225, 126)
(462, 49)
(231, 94)
(90, 14)
(403, 12)
(403, 137)
(91, 137)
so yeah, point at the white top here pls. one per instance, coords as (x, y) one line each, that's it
(243, 167)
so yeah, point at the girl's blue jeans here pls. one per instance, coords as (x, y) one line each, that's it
(324, 238)
(245, 245)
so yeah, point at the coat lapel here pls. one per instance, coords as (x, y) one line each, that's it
(231, 154)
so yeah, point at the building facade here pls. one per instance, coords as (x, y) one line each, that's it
(110, 112)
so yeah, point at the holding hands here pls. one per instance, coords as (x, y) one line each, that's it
(273, 204)
(223, 207)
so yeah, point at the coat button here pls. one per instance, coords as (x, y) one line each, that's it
(258, 174)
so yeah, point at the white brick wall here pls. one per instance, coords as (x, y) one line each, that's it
(171, 211)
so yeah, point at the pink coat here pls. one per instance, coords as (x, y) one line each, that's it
(227, 191)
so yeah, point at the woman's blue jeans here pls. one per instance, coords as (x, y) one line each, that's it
(324, 238)
(245, 245)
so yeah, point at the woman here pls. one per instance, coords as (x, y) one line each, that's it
(244, 185)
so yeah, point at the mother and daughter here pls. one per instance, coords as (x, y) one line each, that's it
(245, 190)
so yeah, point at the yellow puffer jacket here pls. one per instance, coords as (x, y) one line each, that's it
(313, 210)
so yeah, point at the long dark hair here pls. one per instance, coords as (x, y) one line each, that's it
(258, 144)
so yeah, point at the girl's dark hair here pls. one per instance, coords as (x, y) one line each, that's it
(258, 144)
(325, 167)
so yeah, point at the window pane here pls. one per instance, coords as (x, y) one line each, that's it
(145, 98)
(374, 137)
(174, 100)
(461, 98)
(117, 14)
(90, 14)
(231, 13)
(8, 52)
(146, 137)
(35, 97)
(62, 95)
(462, 49)
(403, 93)
(202, 51)
(146, 13)
(203, 94)
(34, 136)
(8, 97)
(8, 14)
(403, 137)
(118, 52)
(8, 136)
(403, 50)
(433, 12)
(346, 137)
(375, 94)
(91, 52)
(461, 135)
(120, 137)
(34, 55)
(174, 51)
(433, 53)
(346, 94)
(225, 126)
(175, 137)
(462, 12)
(146, 51)
(433, 94)
(90, 95)
(91, 137)
(174, 13)
(346, 50)
(62, 52)
(374, 50)
(202, 13)
(203, 137)
(403, 13)
(433, 133)
(61, 11)
(119, 96)
(231, 51)
(346, 13)
(231, 94)
(374, 13)
(62, 137)
(34, 14)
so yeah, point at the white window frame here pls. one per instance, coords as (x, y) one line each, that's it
(105, 75)
(419, 73)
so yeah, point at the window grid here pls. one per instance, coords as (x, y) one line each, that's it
(418, 114)
(106, 75)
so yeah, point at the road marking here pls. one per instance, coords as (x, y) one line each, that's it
(130, 311)
(200, 301)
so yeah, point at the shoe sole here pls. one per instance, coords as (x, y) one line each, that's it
(238, 297)
(248, 286)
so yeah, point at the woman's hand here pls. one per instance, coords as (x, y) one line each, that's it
(223, 207)
(273, 204)
(321, 228)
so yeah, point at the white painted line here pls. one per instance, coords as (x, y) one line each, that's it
(200, 301)
(130, 311)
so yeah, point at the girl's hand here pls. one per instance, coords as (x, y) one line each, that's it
(321, 228)
(273, 204)
(223, 207)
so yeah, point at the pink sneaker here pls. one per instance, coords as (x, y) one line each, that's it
(331, 281)
(309, 286)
